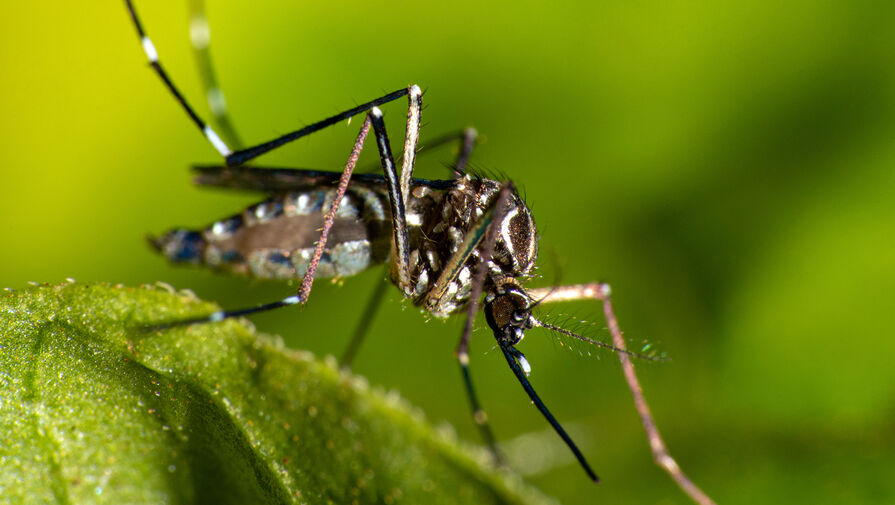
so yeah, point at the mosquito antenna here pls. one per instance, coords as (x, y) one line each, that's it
(557, 279)
(593, 342)
(539, 300)
(546, 296)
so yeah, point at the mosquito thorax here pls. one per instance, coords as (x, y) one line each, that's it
(445, 220)
(508, 314)
(516, 249)
(517, 245)
(522, 236)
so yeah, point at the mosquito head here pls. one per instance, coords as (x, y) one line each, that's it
(509, 314)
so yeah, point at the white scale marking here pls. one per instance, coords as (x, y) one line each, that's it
(216, 101)
(451, 291)
(433, 260)
(526, 368)
(149, 49)
(216, 141)
(200, 33)
(464, 275)
(422, 282)
(505, 229)
(414, 219)
(302, 203)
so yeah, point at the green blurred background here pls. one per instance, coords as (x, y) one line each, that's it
(727, 168)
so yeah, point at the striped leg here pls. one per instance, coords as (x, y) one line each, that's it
(486, 232)
(239, 157)
(398, 191)
(467, 142)
(304, 290)
(467, 138)
(400, 241)
(363, 324)
(152, 56)
(200, 38)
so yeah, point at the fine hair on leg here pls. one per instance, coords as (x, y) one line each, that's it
(661, 455)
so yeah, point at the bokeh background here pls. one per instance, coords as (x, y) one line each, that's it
(728, 168)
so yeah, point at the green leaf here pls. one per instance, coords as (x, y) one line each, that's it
(96, 409)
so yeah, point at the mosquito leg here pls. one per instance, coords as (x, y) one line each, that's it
(398, 195)
(220, 315)
(601, 292)
(467, 143)
(478, 414)
(239, 157)
(248, 154)
(374, 120)
(152, 56)
(363, 324)
(411, 138)
(271, 179)
(447, 138)
(304, 290)
(400, 241)
(487, 228)
(467, 138)
(514, 358)
(200, 37)
(484, 228)
(411, 141)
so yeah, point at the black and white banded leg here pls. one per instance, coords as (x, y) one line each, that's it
(467, 138)
(308, 279)
(200, 38)
(397, 189)
(233, 158)
(400, 242)
(484, 232)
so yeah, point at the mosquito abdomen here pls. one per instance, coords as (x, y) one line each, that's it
(275, 239)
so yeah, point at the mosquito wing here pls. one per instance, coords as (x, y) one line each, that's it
(281, 180)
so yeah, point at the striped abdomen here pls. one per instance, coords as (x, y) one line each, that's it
(275, 239)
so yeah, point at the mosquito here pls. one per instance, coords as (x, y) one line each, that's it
(452, 246)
